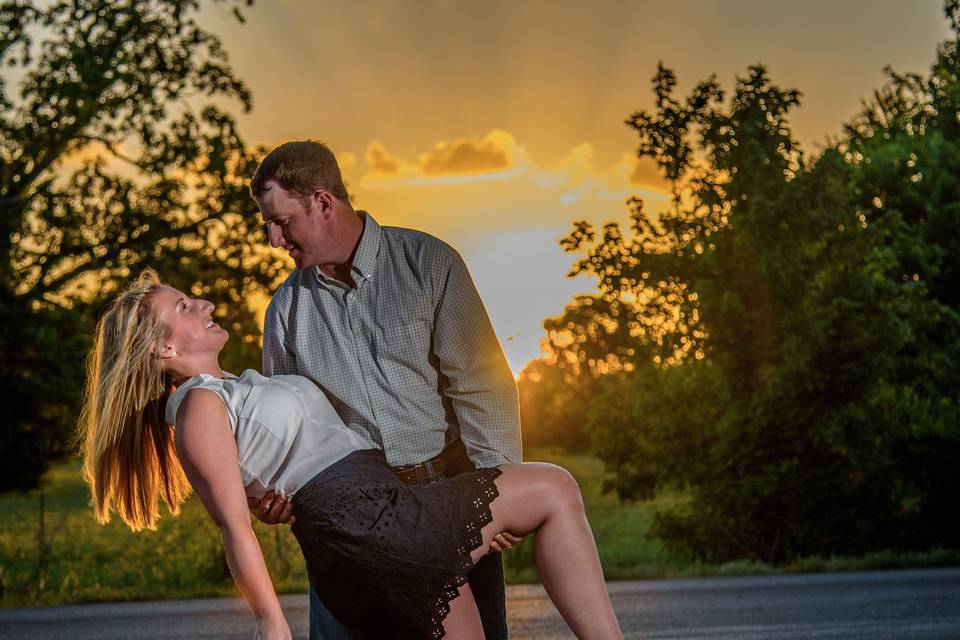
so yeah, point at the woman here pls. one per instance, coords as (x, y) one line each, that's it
(160, 415)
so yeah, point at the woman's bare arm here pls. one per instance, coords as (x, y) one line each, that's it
(208, 454)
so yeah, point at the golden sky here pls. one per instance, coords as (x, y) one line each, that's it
(494, 125)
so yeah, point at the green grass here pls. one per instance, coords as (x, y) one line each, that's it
(626, 551)
(86, 562)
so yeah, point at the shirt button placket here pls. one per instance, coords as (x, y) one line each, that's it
(360, 349)
(355, 324)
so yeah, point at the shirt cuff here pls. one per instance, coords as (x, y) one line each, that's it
(489, 460)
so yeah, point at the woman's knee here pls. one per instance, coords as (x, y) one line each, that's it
(560, 488)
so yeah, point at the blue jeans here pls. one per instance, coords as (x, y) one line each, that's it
(486, 581)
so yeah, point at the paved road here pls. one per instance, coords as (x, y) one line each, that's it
(882, 605)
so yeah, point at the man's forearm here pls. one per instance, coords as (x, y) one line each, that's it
(490, 425)
(480, 384)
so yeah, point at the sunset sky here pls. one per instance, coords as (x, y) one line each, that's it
(494, 125)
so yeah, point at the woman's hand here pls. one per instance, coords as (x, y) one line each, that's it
(503, 541)
(273, 628)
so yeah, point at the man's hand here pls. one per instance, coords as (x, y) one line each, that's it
(503, 541)
(272, 509)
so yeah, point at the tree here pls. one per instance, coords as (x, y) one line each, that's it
(117, 156)
(553, 404)
(787, 332)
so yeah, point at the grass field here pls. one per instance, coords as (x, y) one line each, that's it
(58, 554)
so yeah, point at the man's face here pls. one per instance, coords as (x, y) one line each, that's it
(301, 229)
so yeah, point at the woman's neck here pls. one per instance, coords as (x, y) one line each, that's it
(187, 370)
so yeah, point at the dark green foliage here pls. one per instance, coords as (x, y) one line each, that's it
(39, 375)
(116, 156)
(783, 344)
(553, 405)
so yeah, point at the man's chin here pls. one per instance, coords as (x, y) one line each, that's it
(303, 262)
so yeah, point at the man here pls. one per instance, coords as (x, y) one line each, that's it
(388, 322)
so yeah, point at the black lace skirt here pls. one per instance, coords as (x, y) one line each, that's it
(386, 558)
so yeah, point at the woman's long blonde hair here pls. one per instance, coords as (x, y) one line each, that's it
(129, 459)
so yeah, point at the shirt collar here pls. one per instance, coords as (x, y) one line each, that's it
(365, 257)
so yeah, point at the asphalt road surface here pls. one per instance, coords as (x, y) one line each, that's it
(913, 604)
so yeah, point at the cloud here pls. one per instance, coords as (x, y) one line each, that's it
(578, 160)
(527, 194)
(499, 155)
(380, 160)
(466, 155)
(646, 173)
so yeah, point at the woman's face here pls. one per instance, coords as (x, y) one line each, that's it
(192, 329)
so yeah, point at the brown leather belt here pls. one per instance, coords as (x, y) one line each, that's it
(425, 472)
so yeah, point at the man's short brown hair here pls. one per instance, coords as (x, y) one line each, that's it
(302, 168)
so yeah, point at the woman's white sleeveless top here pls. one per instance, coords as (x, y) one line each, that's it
(286, 429)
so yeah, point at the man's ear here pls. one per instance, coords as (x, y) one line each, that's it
(323, 201)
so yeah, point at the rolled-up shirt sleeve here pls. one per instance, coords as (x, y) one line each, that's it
(480, 385)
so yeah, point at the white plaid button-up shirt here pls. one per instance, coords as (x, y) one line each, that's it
(408, 357)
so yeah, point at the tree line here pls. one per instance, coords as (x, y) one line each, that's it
(781, 347)
(118, 153)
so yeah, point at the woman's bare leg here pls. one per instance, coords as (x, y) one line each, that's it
(463, 621)
(544, 499)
